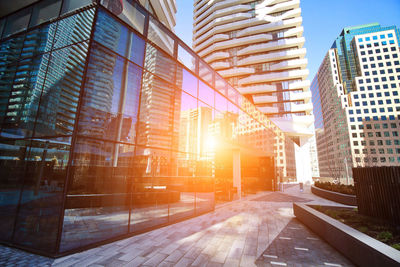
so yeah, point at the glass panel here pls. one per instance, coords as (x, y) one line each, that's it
(24, 97)
(233, 96)
(206, 73)
(2, 23)
(126, 11)
(186, 58)
(159, 63)
(188, 82)
(221, 85)
(137, 50)
(39, 40)
(111, 33)
(131, 104)
(12, 163)
(45, 11)
(102, 97)
(118, 38)
(17, 22)
(206, 93)
(9, 53)
(205, 194)
(205, 140)
(151, 193)
(182, 195)
(60, 95)
(160, 37)
(97, 205)
(156, 112)
(42, 195)
(74, 29)
(186, 123)
(221, 103)
(71, 5)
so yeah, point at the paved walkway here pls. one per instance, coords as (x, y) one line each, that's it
(257, 230)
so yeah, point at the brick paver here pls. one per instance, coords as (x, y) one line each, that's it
(235, 234)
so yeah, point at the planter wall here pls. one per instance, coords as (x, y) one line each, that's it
(335, 196)
(361, 249)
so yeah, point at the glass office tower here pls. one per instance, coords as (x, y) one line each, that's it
(108, 130)
(356, 101)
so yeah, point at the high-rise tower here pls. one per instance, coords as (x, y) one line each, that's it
(356, 101)
(258, 47)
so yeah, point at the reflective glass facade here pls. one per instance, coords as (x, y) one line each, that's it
(111, 126)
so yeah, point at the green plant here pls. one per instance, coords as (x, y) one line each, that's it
(332, 213)
(384, 236)
(396, 246)
(362, 229)
(340, 188)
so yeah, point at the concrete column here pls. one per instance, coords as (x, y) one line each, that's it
(237, 177)
(303, 161)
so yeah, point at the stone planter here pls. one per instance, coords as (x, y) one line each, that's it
(361, 249)
(335, 196)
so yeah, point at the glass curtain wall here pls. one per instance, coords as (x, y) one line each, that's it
(111, 126)
(41, 71)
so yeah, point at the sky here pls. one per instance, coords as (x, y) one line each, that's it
(323, 20)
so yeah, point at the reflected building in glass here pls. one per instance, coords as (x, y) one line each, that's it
(110, 126)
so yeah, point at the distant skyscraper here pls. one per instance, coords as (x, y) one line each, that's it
(356, 101)
(258, 47)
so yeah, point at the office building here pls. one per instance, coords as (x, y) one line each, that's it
(110, 126)
(356, 101)
(257, 46)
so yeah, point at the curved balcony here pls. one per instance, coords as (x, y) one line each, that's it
(284, 43)
(221, 13)
(255, 89)
(273, 56)
(298, 32)
(215, 38)
(306, 96)
(223, 21)
(305, 85)
(268, 109)
(165, 13)
(227, 27)
(262, 11)
(264, 99)
(298, 126)
(301, 107)
(275, 76)
(295, 22)
(215, 7)
(236, 72)
(287, 15)
(305, 120)
(216, 56)
(268, 3)
(290, 64)
(235, 42)
(220, 65)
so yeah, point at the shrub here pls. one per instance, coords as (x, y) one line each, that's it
(362, 229)
(332, 213)
(396, 246)
(340, 188)
(384, 236)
